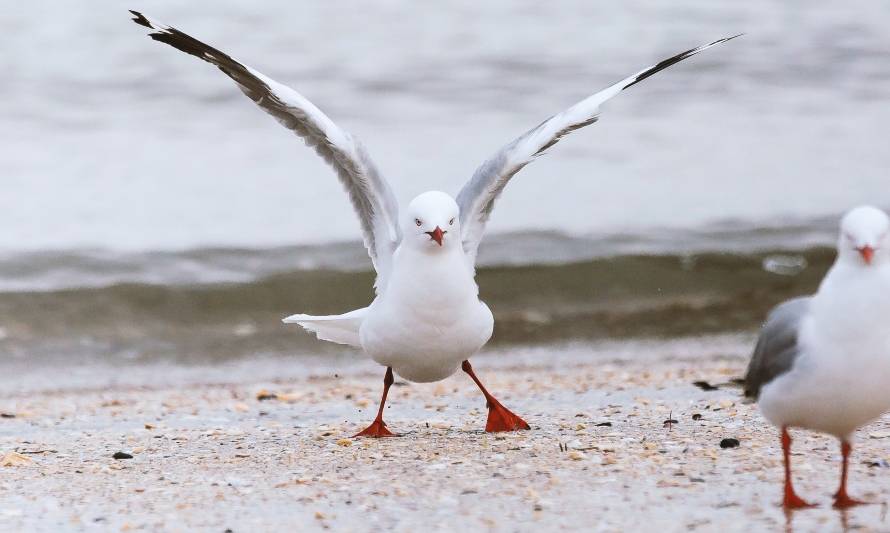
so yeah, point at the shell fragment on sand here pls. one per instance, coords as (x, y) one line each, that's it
(15, 459)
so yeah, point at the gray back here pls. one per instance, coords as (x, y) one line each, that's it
(777, 347)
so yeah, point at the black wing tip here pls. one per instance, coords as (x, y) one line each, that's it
(676, 59)
(718, 41)
(140, 19)
(169, 35)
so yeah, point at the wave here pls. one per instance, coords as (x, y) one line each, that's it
(93, 268)
(612, 296)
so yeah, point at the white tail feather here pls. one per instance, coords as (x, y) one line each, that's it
(341, 329)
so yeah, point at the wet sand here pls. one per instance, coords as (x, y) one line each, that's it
(210, 455)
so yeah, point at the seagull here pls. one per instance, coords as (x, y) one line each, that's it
(823, 361)
(426, 319)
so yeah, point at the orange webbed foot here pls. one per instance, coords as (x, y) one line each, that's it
(376, 430)
(793, 502)
(843, 501)
(502, 419)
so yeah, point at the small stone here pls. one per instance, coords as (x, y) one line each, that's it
(264, 395)
(729, 443)
(344, 442)
(121, 455)
(879, 434)
(575, 455)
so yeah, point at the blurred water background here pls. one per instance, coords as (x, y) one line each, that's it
(150, 211)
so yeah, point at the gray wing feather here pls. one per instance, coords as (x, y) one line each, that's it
(368, 192)
(476, 199)
(777, 348)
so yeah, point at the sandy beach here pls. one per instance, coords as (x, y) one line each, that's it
(269, 453)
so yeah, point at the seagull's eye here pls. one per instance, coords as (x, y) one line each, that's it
(451, 222)
(417, 221)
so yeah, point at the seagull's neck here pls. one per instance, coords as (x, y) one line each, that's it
(854, 293)
(448, 261)
(441, 274)
(846, 273)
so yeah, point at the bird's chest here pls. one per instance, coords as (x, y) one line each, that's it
(852, 326)
(431, 288)
(848, 339)
(432, 309)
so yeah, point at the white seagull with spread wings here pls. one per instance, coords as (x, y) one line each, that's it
(427, 319)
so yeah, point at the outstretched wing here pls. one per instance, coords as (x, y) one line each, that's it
(369, 193)
(777, 348)
(476, 199)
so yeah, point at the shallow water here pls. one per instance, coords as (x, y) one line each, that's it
(626, 296)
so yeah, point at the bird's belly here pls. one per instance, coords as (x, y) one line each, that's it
(841, 381)
(832, 398)
(424, 348)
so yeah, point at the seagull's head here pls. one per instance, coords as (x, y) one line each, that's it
(432, 222)
(865, 236)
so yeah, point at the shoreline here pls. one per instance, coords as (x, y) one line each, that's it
(22, 375)
(290, 461)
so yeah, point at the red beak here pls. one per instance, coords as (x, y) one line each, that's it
(867, 253)
(436, 235)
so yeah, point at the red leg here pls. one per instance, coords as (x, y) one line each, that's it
(842, 500)
(791, 500)
(378, 426)
(499, 417)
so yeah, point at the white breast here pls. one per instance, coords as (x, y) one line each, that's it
(429, 319)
